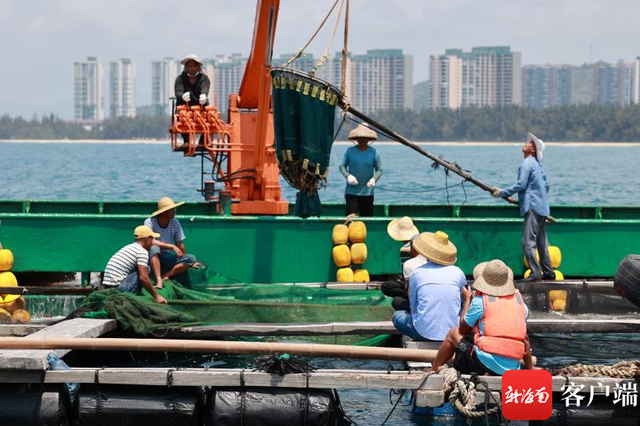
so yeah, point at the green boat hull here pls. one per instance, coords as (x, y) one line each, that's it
(68, 236)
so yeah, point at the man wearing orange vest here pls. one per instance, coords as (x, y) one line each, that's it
(496, 316)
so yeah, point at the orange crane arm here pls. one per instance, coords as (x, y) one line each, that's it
(261, 52)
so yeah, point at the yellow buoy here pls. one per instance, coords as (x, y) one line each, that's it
(358, 253)
(361, 276)
(341, 255)
(340, 234)
(557, 295)
(6, 260)
(5, 317)
(7, 279)
(21, 317)
(559, 305)
(554, 253)
(357, 232)
(344, 275)
(11, 307)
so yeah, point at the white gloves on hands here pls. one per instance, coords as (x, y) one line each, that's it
(351, 180)
(495, 191)
(202, 99)
(371, 183)
(186, 96)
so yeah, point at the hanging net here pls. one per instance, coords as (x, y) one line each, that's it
(303, 117)
(241, 303)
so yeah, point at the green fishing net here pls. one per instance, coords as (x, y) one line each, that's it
(241, 303)
(303, 120)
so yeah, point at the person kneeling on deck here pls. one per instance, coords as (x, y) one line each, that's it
(434, 290)
(403, 230)
(168, 252)
(497, 316)
(128, 269)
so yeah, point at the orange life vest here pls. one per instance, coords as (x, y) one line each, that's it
(504, 327)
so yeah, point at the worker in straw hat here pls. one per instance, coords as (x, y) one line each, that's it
(403, 229)
(128, 269)
(168, 253)
(192, 85)
(496, 316)
(434, 290)
(362, 168)
(532, 188)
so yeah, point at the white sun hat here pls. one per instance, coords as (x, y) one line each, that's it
(539, 145)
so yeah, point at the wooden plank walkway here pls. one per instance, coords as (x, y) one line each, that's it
(36, 360)
(428, 387)
(386, 327)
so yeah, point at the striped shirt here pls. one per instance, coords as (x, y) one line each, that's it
(124, 262)
(171, 234)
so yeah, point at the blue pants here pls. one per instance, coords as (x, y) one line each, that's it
(403, 321)
(534, 239)
(168, 258)
(131, 284)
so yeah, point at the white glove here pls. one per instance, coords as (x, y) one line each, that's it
(371, 183)
(351, 180)
(495, 191)
(186, 96)
(202, 99)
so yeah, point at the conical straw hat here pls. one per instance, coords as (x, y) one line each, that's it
(495, 279)
(436, 248)
(539, 145)
(477, 271)
(164, 204)
(364, 132)
(402, 229)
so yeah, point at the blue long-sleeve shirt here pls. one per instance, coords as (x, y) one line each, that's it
(364, 165)
(532, 188)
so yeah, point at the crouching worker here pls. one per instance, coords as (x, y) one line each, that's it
(434, 290)
(497, 316)
(128, 269)
(403, 230)
(168, 253)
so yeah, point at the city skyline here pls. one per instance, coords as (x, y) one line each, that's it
(47, 38)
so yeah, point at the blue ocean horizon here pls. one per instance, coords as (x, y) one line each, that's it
(584, 174)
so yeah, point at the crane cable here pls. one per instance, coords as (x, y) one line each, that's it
(302, 49)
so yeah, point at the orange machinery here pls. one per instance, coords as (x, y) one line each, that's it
(242, 149)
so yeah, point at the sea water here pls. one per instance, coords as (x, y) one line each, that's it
(578, 174)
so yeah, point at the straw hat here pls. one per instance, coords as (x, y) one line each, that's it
(402, 229)
(539, 145)
(496, 279)
(436, 248)
(191, 57)
(164, 204)
(477, 271)
(362, 132)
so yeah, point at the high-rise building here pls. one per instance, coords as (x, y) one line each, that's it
(636, 81)
(486, 76)
(613, 84)
(122, 88)
(382, 79)
(163, 78)
(546, 85)
(88, 100)
(225, 73)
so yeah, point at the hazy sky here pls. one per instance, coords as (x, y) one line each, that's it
(42, 38)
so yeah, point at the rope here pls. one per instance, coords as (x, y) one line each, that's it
(301, 50)
(462, 394)
(420, 190)
(623, 370)
(325, 54)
